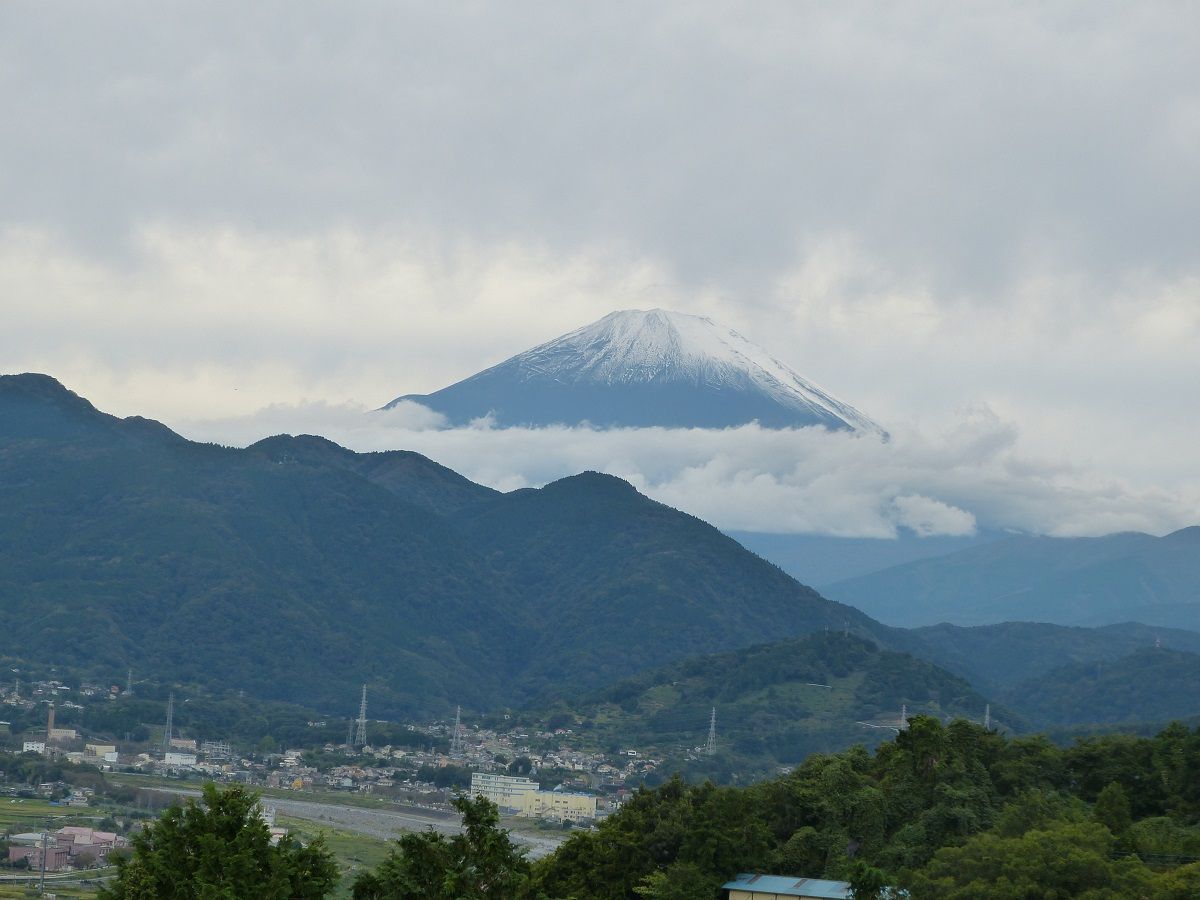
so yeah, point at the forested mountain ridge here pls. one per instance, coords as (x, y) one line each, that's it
(297, 570)
(997, 657)
(775, 704)
(1067, 581)
(591, 555)
(124, 545)
(1153, 684)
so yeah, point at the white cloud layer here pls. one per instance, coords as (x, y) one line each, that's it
(804, 480)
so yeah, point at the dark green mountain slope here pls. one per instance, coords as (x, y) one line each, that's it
(996, 657)
(1068, 581)
(1151, 685)
(777, 703)
(620, 582)
(296, 570)
(410, 476)
(122, 544)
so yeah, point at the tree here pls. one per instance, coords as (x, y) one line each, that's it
(1065, 859)
(680, 881)
(220, 848)
(482, 862)
(1112, 809)
(867, 882)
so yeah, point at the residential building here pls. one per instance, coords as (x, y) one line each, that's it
(33, 747)
(506, 791)
(562, 806)
(56, 857)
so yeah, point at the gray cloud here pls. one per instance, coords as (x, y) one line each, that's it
(962, 144)
(924, 208)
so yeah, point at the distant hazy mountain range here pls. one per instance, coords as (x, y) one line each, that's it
(644, 368)
(820, 559)
(1069, 581)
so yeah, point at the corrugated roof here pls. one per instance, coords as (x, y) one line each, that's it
(788, 886)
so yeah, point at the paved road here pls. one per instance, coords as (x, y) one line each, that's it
(380, 823)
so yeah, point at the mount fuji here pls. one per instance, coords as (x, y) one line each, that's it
(643, 368)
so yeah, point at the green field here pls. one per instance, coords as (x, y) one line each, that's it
(354, 852)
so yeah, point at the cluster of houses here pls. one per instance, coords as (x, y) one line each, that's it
(73, 846)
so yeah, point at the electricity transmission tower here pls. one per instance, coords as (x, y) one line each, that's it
(711, 747)
(360, 737)
(456, 740)
(166, 744)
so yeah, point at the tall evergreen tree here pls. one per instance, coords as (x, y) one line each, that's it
(220, 849)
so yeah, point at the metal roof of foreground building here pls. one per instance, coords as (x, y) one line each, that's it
(787, 886)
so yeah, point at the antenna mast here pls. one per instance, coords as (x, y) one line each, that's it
(711, 747)
(360, 737)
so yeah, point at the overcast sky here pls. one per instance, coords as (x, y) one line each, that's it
(978, 223)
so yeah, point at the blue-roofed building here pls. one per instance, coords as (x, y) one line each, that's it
(781, 887)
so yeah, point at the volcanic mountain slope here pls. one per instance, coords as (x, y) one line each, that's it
(644, 368)
(297, 570)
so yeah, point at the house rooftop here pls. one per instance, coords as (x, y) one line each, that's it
(787, 886)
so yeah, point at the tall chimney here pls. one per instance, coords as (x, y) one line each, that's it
(50, 722)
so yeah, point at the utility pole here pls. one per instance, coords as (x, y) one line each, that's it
(360, 738)
(456, 741)
(166, 744)
(42, 879)
(711, 747)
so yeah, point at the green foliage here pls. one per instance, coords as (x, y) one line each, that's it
(1061, 861)
(867, 882)
(946, 811)
(1153, 684)
(220, 848)
(482, 863)
(1112, 810)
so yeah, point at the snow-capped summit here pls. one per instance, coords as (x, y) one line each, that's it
(644, 368)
